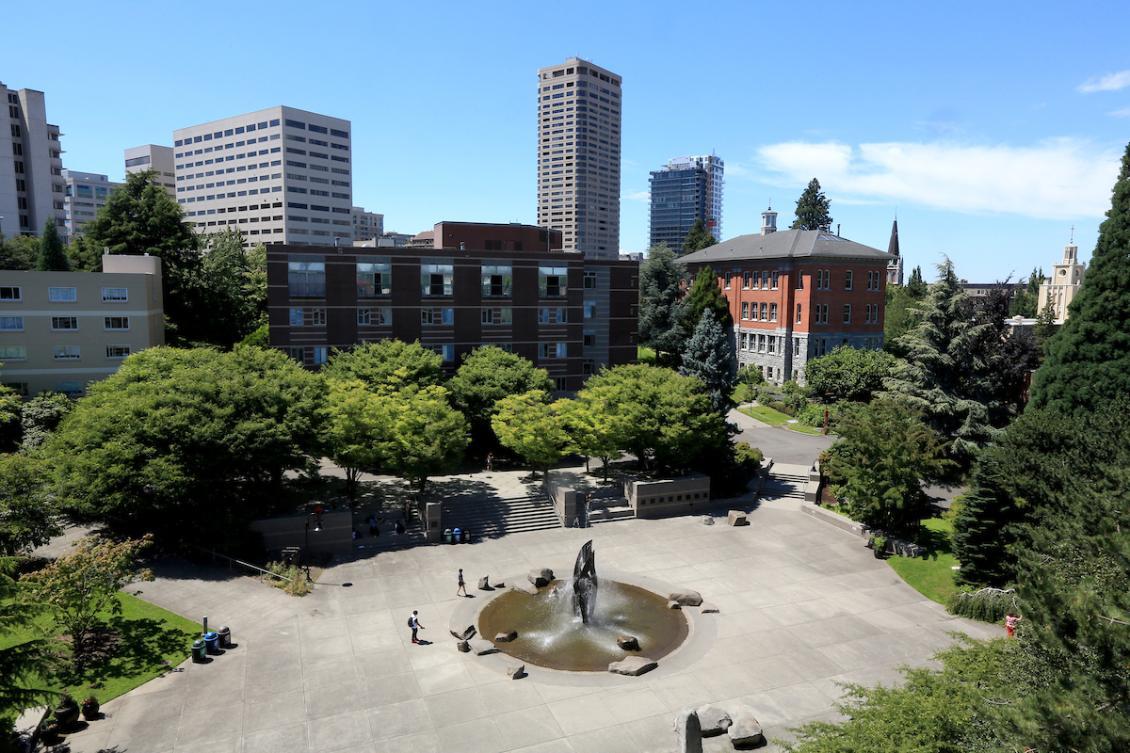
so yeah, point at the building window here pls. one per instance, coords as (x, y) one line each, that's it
(11, 293)
(849, 279)
(60, 323)
(796, 346)
(726, 279)
(776, 280)
(799, 280)
(13, 353)
(115, 295)
(590, 310)
(772, 312)
(306, 279)
(11, 324)
(747, 277)
(552, 281)
(745, 310)
(67, 353)
(374, 317)
(117, 352)
(116, 323)
(589, 340)
(847, 313)
(764, 312)
(436, 279)
(495, 317)
(321, 354)
(590, 280)
(547, 315)
(437, 317)
(497, 280)
(798, 313)
(373, 278)
(62, 295)
(307, 317)
(772, 342)
(765, 280)
(446, 351)
(552, 350)
(755, 280)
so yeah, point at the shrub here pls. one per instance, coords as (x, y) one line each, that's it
(985, 604)
(295, 582)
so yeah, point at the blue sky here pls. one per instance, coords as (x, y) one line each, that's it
(991, 128)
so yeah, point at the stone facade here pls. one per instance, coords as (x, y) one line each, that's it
(1060, 289)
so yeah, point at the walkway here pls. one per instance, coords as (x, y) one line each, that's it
(804, 606)
(783, 445)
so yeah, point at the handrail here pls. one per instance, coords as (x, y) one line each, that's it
(264, 571)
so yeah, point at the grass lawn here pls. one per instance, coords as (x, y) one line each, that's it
(151, 641)
(767, 415)
(932, 575)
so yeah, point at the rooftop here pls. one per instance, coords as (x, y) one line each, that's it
(788, 244)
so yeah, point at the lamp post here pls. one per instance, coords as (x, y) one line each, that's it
(316, 517)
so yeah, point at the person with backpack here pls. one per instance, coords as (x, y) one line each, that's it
(414, 624)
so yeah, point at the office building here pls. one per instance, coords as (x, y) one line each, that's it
(1061, 288)
(159, 159)
(84, 194)
(278, 175)
(579, 109)
(684, 191)
(61, 330)
(796, 295)
(367, 225)
(479, 284)
(31, 166)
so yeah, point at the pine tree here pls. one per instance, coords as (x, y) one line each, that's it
(709, 355)
(699, 237)
(84, 256)
(812, 209)
(1088, 361)
(704, 294)
(917, 286)
(660, 278)
(52, 257)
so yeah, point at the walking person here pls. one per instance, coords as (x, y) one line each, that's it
(1011, 620)
(414, 624)
(462, 586)
(490, 462)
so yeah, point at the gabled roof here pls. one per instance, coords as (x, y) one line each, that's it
(785, 244)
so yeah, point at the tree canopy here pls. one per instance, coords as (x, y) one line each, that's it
(228, 291)
(186, 444)
(704, 294)
(1088, 360)
(424, 437)
(52, 254)
(27, 512)
(20, 252)
(848, 374)
(709, 356)
(698, 237)
(533, 428)
(387, 365)
(812, 209)
(489, 374)
(661, 276)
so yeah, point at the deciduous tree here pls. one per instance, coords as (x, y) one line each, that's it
(533, 428)
(487, 375)
(27, 512)
(41, 415)
(356, 427)
(23, 665)
(388, 365)
(425, 435)
(20, 252)
(848, 374)
(594, 429)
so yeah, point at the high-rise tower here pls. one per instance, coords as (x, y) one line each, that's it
(31, 166)
(685, 190)
(579, 156)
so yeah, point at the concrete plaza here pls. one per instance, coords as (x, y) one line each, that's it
(804, 606)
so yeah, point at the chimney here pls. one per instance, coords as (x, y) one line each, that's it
(837, 230)
(768, 221)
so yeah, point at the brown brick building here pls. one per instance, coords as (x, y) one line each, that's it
(481, 284)
(797, 294)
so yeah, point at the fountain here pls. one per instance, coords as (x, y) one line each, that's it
(564, 626)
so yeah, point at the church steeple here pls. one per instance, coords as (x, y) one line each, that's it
(893, 246)
(894, 265)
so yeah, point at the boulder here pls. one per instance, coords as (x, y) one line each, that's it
(688, 735)
(540, 578)
(713, 720)
(745, 730)
(516, 671)
(507, 637)
(628, 642)
(463, 646)
(672, 604)
(525, 587)
(633, 666)
(686, 598)
(736, 518)
(500, 584)
(464, 635)
(708, 520)
(481, 646)
(708, 608)
(484, 583)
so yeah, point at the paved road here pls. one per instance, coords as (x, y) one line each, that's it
(783, 445)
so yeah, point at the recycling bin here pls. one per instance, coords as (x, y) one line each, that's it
(225, 637)
(212, 642)
(447, 535)
(198, 650)
(456, 535)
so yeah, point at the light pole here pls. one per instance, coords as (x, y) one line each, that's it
(315, 516)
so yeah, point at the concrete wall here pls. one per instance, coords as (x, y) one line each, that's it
(567, 502)
(678, 496)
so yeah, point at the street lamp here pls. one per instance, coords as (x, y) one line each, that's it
(316, 517)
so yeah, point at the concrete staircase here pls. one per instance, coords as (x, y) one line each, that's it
(785, 482)
(491, 518)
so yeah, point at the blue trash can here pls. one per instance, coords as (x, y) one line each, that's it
(456, 535)
(212, 642)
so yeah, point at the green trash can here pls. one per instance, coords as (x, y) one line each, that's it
(198, 650)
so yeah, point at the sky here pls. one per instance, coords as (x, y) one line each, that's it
(990, 129)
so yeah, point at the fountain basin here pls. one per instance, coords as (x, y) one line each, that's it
(552, 635)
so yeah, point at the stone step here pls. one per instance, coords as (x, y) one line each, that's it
(791, 478)
(620, 512)
(493, 518)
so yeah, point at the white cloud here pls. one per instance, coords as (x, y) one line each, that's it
(639, 196)
(1121, 113)
(1111, 82)
(1057, 179)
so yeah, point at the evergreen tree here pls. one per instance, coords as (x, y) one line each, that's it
(20, 252)
(699, 237)
(704, 294)
(1026, 299)
(812, 209)
(709, 355)
(660, 278)
(1045, 327)
(232, 314)
(52, 257)
(84, 256)
(1088, 361)
(917, 286)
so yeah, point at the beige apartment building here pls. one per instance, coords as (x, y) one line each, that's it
(279, 175)
(579, 156)
(86, 193)
(31, 165)
(158, 159)
(61, 330)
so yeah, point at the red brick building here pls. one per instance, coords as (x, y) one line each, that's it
(797, 294)
(508, 285)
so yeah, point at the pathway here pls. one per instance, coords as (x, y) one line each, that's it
(783, 445)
